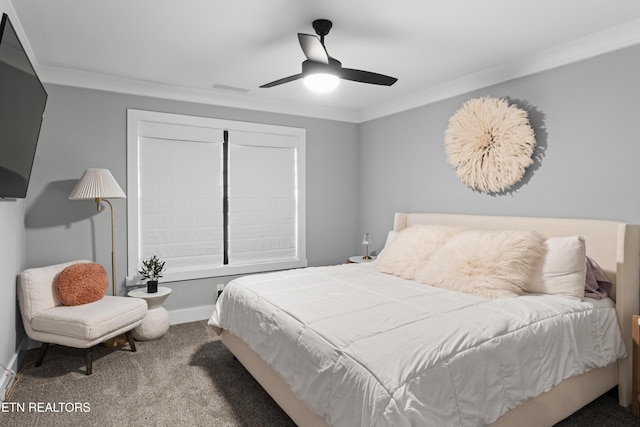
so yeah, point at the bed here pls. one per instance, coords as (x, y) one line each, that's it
(614, 245)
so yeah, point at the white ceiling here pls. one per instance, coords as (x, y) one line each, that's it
(436, 48)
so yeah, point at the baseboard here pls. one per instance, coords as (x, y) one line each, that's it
(190, 314)
(5, 384)
(7, 378)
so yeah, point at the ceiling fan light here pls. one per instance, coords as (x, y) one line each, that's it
(321, 82)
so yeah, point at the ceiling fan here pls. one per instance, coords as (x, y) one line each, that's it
(320, 71)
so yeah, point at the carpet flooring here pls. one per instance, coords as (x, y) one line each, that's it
(186, 378)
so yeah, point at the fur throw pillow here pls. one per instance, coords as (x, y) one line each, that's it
(82, 283)
(489, 264)
(412, 248)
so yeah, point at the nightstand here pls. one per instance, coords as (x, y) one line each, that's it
(359, 258)
(156, 322)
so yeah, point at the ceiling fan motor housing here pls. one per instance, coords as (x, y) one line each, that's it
(313, 67)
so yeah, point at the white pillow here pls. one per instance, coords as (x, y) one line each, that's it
(489, 264)
(412, 247)
(564, 270)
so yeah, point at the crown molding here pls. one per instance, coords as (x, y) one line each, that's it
(83, 79)
(615, 38)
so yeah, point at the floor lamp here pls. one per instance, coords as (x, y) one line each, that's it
(100, 185)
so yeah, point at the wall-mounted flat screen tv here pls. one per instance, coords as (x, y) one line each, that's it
(22, 103)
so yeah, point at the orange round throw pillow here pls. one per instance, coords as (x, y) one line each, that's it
(82, 283)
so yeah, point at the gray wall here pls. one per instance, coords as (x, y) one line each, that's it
(12, 261)
(87, 128)
(586, 120)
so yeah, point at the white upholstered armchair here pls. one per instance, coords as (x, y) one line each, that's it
(47, 320)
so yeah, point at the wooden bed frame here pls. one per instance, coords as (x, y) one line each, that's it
(616, 248)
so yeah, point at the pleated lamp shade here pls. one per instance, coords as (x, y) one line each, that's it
(97, 184)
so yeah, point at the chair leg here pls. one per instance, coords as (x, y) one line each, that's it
(88, 353)
(89, 357)
(132, 343)
(43, 351)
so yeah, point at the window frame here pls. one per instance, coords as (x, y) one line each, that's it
(134, 119)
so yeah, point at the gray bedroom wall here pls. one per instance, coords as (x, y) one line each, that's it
(585, 116)
(87, 128)
(12, 254)
(12, 261)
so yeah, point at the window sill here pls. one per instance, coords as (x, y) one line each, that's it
(226, 270)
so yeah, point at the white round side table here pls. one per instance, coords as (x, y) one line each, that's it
(156, 322)
(360, 258)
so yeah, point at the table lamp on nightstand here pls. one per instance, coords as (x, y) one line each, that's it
(365, 242)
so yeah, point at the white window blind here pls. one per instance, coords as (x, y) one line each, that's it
(180, 202)
(262, 197)
(177, 167)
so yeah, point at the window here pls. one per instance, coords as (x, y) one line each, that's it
(214, 197)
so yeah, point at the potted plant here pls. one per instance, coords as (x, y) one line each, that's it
(151, 270)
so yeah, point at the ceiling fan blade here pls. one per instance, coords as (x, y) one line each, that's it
(281, 81)
(313, 48)
(367, 77)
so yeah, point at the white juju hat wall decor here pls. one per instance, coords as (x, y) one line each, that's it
(490, 144)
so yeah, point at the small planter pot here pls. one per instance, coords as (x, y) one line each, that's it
(152, 286)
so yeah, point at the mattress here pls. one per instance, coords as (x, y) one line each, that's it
(362, 348)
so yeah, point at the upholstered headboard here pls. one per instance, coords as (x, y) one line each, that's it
(614, 245)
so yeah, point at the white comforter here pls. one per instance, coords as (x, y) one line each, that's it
(362, 348)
